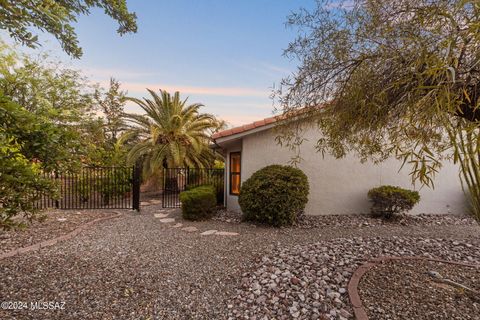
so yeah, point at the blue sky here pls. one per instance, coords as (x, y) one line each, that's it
(224, 54)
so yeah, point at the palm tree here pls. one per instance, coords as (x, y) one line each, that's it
(170, 134)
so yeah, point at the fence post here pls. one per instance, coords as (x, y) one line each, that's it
(57, 203)
(136, 187)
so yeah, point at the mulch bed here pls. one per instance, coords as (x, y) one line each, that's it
(57, 223)
(404, 290)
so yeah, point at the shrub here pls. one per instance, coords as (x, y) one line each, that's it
(22, 184)
(114, 184)
(111, 184)
(219, 192)
(389, 201)
(198, 203)
(274, 195)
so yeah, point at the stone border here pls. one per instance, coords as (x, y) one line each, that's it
(358, 308)
(51, 242)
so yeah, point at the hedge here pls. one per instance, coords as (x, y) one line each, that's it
(275, 195)
(198, 203)
(388, 201)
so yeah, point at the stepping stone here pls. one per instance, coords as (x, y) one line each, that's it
(208, 232)
(226, 233)
(178, 225)
(160, 215)
(167, 220)
(143, 203)
(190, 229)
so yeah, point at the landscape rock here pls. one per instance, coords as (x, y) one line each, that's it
(208, 232)
(190, 229)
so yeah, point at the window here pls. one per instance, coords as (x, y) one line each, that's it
(235, 173)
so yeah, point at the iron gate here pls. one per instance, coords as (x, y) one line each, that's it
(95, 188)
(176, 180)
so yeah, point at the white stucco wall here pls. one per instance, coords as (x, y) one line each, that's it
(340, 186)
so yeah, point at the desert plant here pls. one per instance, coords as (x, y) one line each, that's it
(389, 201)
(171, 134)
(198, 203)
(274, 195)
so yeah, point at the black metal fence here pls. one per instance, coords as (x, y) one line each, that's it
(176, 180)
(95, 188)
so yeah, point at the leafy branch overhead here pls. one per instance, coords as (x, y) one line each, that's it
(389, 75)
(19, 17)
(383, 78)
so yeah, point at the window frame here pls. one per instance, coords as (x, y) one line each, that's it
(231, 174)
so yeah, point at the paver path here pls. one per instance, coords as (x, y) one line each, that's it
(136, 267)
(166, 217)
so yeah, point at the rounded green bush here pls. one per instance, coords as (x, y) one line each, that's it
(388, 201)
(274, 195)
(198, 203)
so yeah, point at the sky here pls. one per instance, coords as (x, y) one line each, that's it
(227, 55)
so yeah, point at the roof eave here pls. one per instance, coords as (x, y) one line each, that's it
(222, 140)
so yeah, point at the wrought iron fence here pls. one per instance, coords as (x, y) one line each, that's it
(95, 188)
(176, 180)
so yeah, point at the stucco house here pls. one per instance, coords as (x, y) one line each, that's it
(337, 186)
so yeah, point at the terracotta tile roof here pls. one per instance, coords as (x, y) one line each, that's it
(266, 121)
(244, 128)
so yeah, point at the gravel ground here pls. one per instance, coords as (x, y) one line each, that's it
(136, 267)
(363, 220)
(310, 281)
(56, 223)
(404, 290)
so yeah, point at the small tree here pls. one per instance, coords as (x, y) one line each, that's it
(111, 103)
(385, 78)
(170, 134)
(28, 147)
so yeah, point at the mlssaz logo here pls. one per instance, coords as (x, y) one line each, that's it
(47, 305)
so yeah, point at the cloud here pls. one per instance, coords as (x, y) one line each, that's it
(139, 87)
(238, 120)
(276, 68)
(105, 73)
(264, 68)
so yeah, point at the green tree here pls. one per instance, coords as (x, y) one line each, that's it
(57, 94)
(44, 86)
(393, 78)
(39, 138)
(28, 147)
(170, 134)
(19, 17)
(101, 133)
(111, 103)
